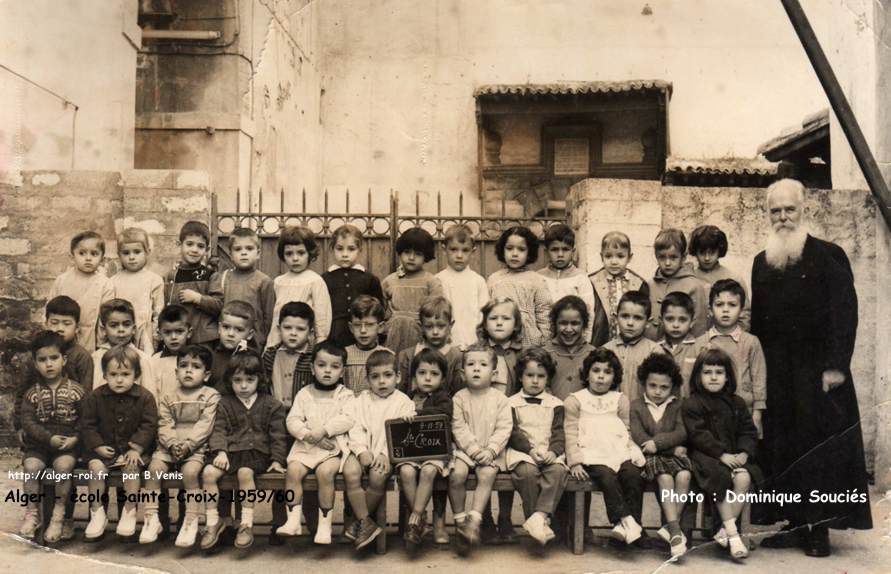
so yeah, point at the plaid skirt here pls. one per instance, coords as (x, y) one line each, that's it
(664, 464)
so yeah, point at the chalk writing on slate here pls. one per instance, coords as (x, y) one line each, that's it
(426, 438)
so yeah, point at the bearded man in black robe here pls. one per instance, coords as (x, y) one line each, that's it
(804, 311)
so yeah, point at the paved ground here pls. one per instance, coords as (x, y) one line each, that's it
(854, 552)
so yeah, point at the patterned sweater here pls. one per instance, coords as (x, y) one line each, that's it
(47, 412)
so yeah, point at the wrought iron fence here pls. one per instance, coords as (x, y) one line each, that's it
(380, 229)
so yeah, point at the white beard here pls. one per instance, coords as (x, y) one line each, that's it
(785, 247)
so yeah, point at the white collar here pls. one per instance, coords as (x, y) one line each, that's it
(248, 403)
(735, 334)
(650, 403)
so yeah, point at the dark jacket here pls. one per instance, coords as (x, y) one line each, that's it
(439, 402)
(344, 286)
(718, 424)
(121, 421)
(262, 428)
(46, 412)
(668, 433)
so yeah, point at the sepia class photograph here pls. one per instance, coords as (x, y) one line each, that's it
(570, 286)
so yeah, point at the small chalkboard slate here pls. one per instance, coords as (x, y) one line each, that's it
(428, 437)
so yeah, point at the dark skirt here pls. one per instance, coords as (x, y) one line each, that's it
(252, 459)
(716, 478)
(664, 464)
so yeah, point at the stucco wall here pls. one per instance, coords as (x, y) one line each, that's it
(398, 76)
(848, 218)
(34, 250)
(67, 84)
(244, 109)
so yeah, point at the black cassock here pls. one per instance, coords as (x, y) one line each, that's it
(806, 319)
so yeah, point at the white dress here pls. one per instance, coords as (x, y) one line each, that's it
(312, 409)
(603, 437)
(308, 287)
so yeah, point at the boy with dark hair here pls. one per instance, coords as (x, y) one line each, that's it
(118, 321)
(237, 332)
(677, 315)
(675, 274)
(174, 331)
(194, 285)
(564, 278)
(631, 347)
(366, 321)
(51, 410)
(612, 281)
(288, 365)
(87, 284)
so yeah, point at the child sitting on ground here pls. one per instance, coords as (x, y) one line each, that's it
(709, 244)
(535, 454)
(346, 280)
(118, 428)
(51, 410)
(612, 281)
(431, 397)
(248, 439)
(568, 348)
(517, 249)
(631, 347)
(481, 427)
(194, 285)
(563, 278)
(247, 283)
(185, 421)
(675, 274)
(405, 289)
(87, 284)
(144, 289)
(723, 441)
(297, 248)
(366, 321)
(319, 421)
(599, 446)
(118, 321)
(677, 314)
(368, 435)
(657, 428)
(464, 288)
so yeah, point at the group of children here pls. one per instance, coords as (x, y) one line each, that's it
(546, 374)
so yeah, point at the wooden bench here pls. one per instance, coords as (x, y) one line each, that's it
(270, 482)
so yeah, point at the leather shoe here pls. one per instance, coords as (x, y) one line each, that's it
(817, 544)
(789, 537)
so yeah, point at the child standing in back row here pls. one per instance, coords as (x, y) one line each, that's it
(464, 288)
(144, 289)
(563, 278)
(87, 284)
(194, 285)
(517, 248)
(249, 284)
(297, 248)
(708, 244)
(405, 289)
(675, 274)
(346, 280)
(613, 280)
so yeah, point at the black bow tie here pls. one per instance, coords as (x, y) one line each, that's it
(533, 400)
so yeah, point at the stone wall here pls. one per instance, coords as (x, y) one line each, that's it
(848, 218)
(42, 210)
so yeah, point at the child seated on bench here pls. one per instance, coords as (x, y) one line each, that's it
(658, 429)
(481, 426)
(118, 428)
(248, 439)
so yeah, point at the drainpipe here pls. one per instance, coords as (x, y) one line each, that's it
(841, 107)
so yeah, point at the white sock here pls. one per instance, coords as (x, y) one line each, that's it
(730, 528)
(247, 516)
(213, 516)
(459, 517)
(476, 514)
